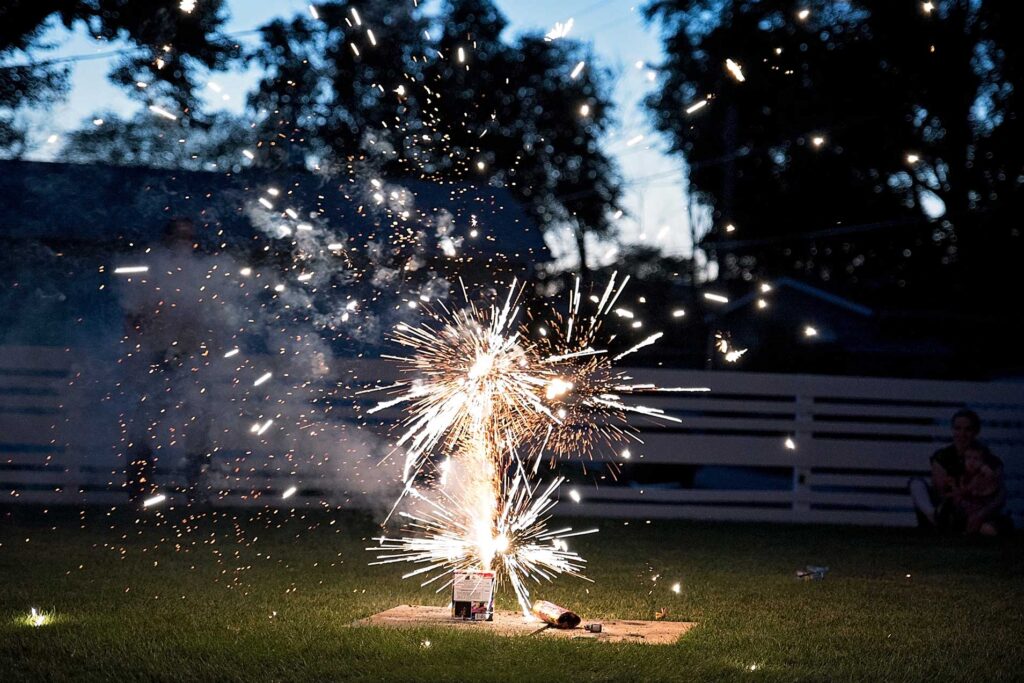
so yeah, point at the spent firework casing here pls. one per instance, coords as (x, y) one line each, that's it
(559, 617)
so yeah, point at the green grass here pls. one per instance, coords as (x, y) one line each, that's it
(126, 604)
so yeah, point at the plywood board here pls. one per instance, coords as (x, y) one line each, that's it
(515, 624)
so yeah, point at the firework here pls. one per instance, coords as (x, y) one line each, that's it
(485, 402)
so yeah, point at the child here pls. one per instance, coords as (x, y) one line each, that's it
(978, 492)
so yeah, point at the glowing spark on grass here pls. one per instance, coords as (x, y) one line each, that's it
(676, 588)
(154, 500)
(559, 31)
(131, 270)
(160, 111)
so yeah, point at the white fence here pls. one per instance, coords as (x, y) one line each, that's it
(856, 441)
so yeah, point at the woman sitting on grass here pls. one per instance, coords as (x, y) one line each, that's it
(976, 500)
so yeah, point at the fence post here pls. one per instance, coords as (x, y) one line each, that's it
(802, 457)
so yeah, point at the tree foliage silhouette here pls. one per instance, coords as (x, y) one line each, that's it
(377, 87)
(871, 144)
(169, 48)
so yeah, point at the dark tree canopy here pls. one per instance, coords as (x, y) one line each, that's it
(168, 48)
(379, 86)
(871, 144)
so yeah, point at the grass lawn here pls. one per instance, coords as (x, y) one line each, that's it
(253, 597)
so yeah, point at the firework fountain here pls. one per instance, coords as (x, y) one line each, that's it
(486, 404)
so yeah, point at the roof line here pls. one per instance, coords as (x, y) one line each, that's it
(811, 290)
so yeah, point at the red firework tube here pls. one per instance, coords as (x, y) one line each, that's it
(559, 617)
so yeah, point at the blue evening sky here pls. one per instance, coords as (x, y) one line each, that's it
(615, 28)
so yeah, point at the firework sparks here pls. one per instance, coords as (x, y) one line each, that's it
(696, 106)
(560, 30)
(160, 111)
(477, 391)
(154, 500)
(735, 69)
(447, 538)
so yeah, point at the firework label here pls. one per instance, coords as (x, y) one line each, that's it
(473, 595)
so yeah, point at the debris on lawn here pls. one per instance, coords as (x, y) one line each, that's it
(559, 617)
(811, 573)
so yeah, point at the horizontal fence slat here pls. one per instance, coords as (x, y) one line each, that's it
(653, 494)
(19, 359)
(880, 481)
(868, 500)
(31, 429)
(634, 511)
(10, 478)
(712, 450)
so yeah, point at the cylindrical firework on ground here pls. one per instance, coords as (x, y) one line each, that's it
(559, 617)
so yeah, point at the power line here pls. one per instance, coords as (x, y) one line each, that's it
(89, 56)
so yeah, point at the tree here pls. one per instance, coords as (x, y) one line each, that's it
(374, 86)
(518, 112)
(855, 125)
(168, 47)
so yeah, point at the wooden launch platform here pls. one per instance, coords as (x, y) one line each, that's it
(515, 624)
